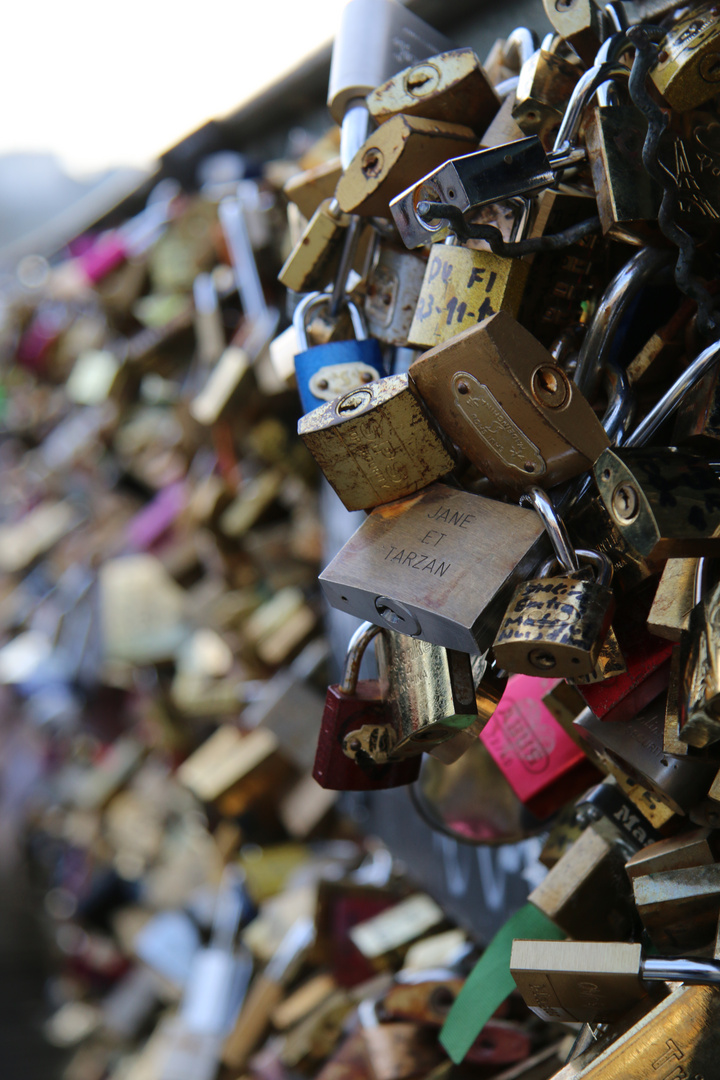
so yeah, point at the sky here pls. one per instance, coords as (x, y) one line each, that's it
(102, 84)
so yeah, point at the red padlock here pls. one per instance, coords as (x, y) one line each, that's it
(356, 720)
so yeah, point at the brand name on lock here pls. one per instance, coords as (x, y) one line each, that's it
(492, 424)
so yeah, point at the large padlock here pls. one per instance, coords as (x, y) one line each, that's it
(664, 501)
(556, 625)
(356, 736)
(687, 72)
(439, 566)
(501, 398)
(377, 443)
(699, 691)
(325, 372)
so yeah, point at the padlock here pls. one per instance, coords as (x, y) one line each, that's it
(463, 285)
(376, 444)
(547, 80)
(391, 293)
(498, 394)
(438, 566)
(395, 155)
(588, 887)
(398, 1050)
(325, 372)
(674, 599)
(697, 421)
(314, 260)
(451, 86)
(636, 746)
(557, 625)
(687, 72)
(428, 691)
(356, 731)
(679, 907)
(543, 765)
(597, 981)
(579, 23)
(699, 661)
(628, 198)
(664, 501)
(309, 188)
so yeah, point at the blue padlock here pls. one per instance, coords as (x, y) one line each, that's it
(325, 372)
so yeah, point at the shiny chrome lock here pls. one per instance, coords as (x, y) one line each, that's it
(325, 372)
(556, 625)
(376, 444)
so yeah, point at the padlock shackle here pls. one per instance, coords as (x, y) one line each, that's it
(599, 562)
(674, 397)
(355, 651)
(540, 501)
(580, 98)
(614, 303)
(521, 41)
(700, 581)
(314, 300)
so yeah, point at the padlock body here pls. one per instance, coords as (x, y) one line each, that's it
(461, 287)
(543, 765)
(346, 713)
(627, 196)
(665, 502)
(391, 294)
(376, 444)
(440, 566)
(699, 691)
(544, 88)
(429, 691)
(687, 72)
(500, 397)
(326, 372)
(555, 626)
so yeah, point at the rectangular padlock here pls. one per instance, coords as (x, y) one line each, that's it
(503, 401)
(450, 86)
(543, 765)
(438, 566)
(687, 70)
(391, 293)
(377, 443)
(394, 156)
(545, 85)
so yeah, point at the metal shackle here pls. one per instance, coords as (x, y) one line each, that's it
(540, 501)
(355, 651)
(597, 559)
(318, 300)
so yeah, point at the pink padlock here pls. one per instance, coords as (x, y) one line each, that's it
(539, 760)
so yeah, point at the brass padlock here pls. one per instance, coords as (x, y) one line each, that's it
(309, 188)
(451, 86)
(498, 394)
(665, 502)
(557, 625)
(687, 72)
(429, 693)
(377, 443)
(394, 156)
(314, 260)
(579, 23)
(439, 566)
(544, 88)
(699, 691)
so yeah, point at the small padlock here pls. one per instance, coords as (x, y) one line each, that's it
(314, 260)
(325, 372)
(391, 292)
(356, 733)
(500, 397)
(699, 692)
(451, 86)
(377, 443)
(664, 501)
(397, 154)
(557, 625)
(579, 23)
(546, 82)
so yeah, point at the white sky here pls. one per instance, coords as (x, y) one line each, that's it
(101, 83)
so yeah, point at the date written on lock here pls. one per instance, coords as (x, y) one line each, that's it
(439, 566)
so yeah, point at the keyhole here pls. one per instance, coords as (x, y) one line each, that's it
(563, 5)
(710, 68)
(416, 81)
(542, 660)
(625, 503)
(372, 162)
(550, 386)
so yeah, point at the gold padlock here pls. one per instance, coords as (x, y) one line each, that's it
(544, 88)
(687, 73)
(451, 86)
(377, 443)
(395, 156)
(314, 260)
(499, 396)
(579, 23)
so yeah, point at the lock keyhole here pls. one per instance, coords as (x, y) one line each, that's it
(625, 503)
(372, 162)
(550, 386)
